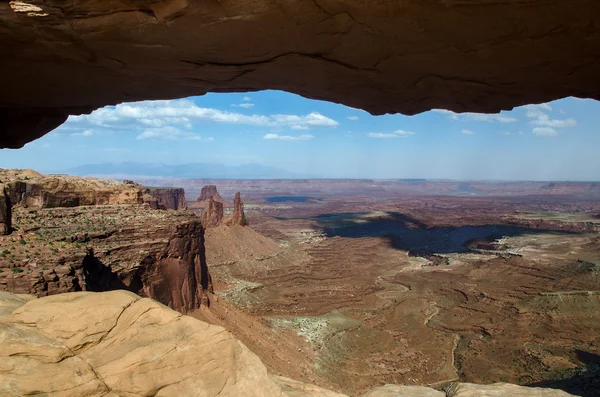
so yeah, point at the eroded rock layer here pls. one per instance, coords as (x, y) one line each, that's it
(208, 192)
(483, 55)
(5, 212)
(120, 344)
(159, 254)
(212, 215)
(238, 217)
(34, 190)
(167, 198)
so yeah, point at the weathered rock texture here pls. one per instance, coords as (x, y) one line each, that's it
(159, 254)
(465, 390)
(238, 217)
(116, 343)
(5, 212)
(120, 344)
(483, 55)
(212, 215)
(208, 192)
(32, 189)
(167, 198)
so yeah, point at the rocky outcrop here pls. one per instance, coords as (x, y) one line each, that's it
(381, 56)
(120, 344)
(212, 215)
(208, 192)
(465, 390)
(5, 212)
(238, 217)
(167, 198)
(35, 190)
(32, 189)
(178, 277)
(158, 254)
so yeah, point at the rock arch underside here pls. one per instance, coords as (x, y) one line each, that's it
(61, 58)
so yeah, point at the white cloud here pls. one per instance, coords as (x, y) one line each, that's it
(490, 118)
(544, 120)
(541, 118)
(246, 99)
(313, 119)
(83, 133)
(381, 135)
(539, 106)
(545, 131)
(305, 137)
(183, 112)
(246, 105)
(169, 133)
(467, 132)
(353, 118)
(387, 135)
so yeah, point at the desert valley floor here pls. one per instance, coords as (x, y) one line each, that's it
(354, 284)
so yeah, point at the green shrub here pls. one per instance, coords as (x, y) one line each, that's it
(16, 270)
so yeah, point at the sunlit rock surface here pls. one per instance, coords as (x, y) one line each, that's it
(118, 344)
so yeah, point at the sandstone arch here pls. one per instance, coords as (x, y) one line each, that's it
(60, 58)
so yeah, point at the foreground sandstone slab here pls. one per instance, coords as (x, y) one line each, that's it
(92, 344)
(118, 344)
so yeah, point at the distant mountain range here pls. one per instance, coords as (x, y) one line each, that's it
(194, 170)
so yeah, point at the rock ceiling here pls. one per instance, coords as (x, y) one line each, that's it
(408, 56)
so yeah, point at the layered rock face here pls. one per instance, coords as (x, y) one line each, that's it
(212, 215)
(5, 212)
(159, 254)
(120, 344)
(167, 198)
(35, 190)
(238, 217)
(208, 192)
(381, 56)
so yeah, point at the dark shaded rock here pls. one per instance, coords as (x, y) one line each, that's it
(212, 215)
(178, 277)
(208, 192)
(167, 198)
(5, 212)
(238, 217)
(381, 56)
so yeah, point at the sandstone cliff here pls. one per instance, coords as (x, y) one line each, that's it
(212, 215)
(5, 212)
(120, 344)
(167, 198)
(208, 192)
(35, 190)
(159, 254)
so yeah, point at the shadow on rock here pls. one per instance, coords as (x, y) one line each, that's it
(583, 381)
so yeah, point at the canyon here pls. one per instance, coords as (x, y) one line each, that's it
(73, 234)
(312, 287)
(331, 284)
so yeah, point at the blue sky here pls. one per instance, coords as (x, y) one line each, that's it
(554, 141)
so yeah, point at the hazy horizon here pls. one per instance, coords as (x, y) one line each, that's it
(309, 139)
